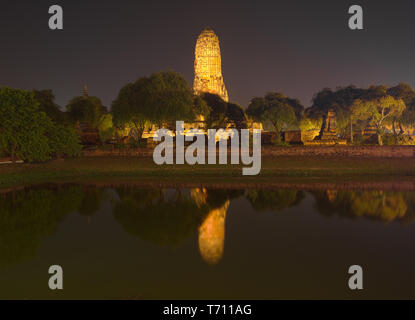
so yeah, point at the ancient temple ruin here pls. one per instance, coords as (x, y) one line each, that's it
(329, 129)
(208, 65)
(328, 133)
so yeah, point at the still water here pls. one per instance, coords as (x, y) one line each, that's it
(150, 243)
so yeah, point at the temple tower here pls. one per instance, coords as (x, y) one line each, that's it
(208, 65)
(85, 92)
(329, 129)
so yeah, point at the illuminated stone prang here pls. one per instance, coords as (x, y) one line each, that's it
(208, 65)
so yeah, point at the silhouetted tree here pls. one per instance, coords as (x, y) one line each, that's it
(85, 110)
(276, 108)
(46, 100)
(217, 117)
(23, 127)
(236, 114)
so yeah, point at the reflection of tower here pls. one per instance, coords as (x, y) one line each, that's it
(208, 65)
(199, 196)
(212, 230)
(331, 195)
(212, 235)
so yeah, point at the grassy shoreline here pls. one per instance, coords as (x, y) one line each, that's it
(282, 169)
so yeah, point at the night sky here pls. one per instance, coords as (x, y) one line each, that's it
(295, 47)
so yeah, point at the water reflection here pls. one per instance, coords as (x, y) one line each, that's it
(384, 206)
(274, 200)
(169, 217)
(27, 216)
(212, 229)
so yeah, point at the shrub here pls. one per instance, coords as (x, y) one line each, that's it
(64, 141)
(23, 126)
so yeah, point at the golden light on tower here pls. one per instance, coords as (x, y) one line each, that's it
(208, 65)
(212, 235)
(212, 230)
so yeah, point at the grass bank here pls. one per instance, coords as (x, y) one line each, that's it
(288, 169)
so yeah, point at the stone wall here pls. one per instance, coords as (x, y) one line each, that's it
(293, 137)
(269, 151)
(343, 151)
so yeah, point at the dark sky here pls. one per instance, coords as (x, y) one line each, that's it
(295, 47)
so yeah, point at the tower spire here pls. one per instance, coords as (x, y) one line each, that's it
(208, 65)
(85, 92)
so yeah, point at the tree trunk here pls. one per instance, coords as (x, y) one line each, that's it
(13, 154)
(395, 136)
(351, 131)
(380, 141)
(401, 132)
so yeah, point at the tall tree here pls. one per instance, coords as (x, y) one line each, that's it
(340, 101)
(378, 112)
(169, 98)
(217, 117)
(46, 100)
(277, 109)
(236, 114)
(201, 110)
(407, 94)
(85, 110)
(23, 126)
(132, 106)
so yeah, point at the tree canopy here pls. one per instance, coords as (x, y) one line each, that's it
(161, 99)
(28, 133)
(276, 108)
(23, 126)
(169, 98)
(85, 110)
(46, 100)
(217, 115)
(132, 106)
(378, 112)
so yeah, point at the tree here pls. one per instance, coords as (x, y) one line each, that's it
(217, 116)
(378, 111)
(23, 126)
(275, 108)
(106, 127)
(46, 100)
(163, 98)
(407, 94)
(132, 106)
(64, 141)
(235, 113)
(169, 98)
(340, 101)
(200, 108)
(85, 110)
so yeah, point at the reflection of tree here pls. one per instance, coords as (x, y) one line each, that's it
(274, 200)
(212, 229)
(216, 198)
(165, 217)
(91, 201)
(168, 217)
(28, 215)
(379, 205)
(409, 198)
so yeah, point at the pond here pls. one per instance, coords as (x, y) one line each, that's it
(130, 242)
